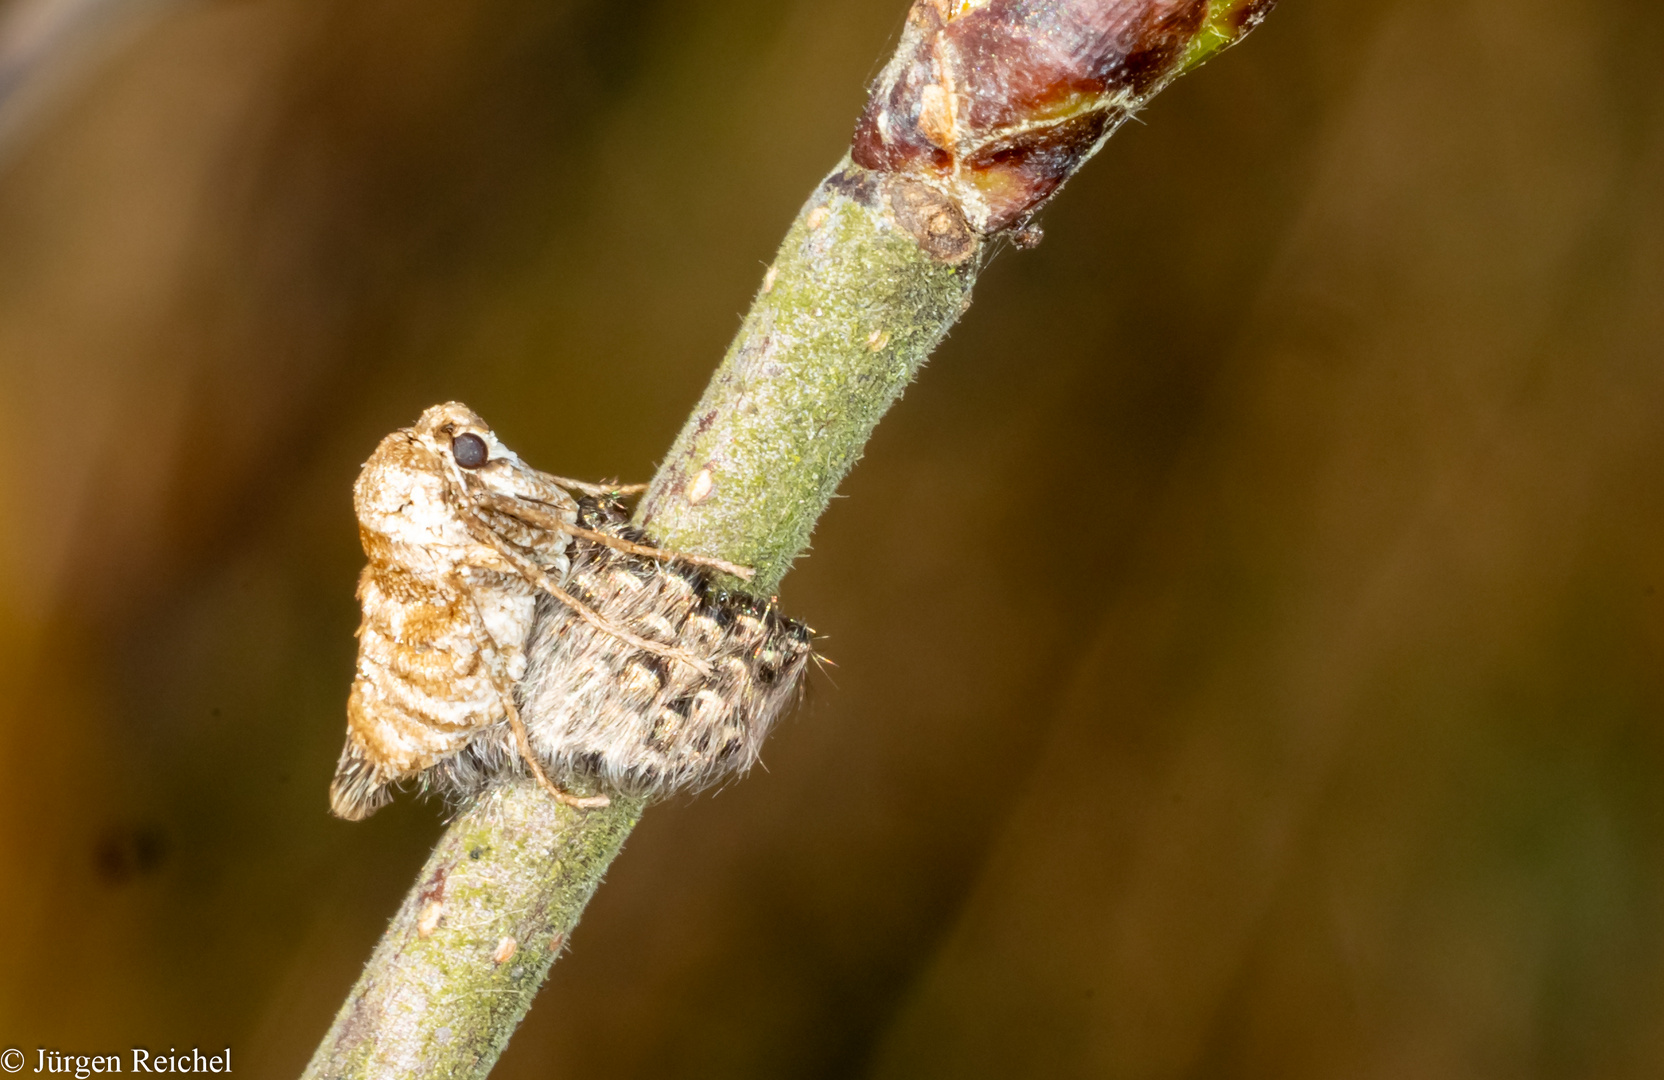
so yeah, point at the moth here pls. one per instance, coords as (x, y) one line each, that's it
(645, 677)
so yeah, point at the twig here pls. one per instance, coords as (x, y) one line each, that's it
(876, 268)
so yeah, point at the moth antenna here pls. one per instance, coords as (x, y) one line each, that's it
(596, 489)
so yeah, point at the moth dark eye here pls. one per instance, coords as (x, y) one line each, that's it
(470, 450)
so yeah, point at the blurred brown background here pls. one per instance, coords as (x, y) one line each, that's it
(1248, 631)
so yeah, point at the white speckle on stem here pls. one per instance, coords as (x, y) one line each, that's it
(699, 488)
(428, 922)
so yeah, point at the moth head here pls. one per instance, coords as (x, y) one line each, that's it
(474, 457)
(456, 433)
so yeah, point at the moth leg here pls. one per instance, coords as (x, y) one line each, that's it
(593, 618)
(543, 520)
(534, 574)
(522, 738)
(744, 573)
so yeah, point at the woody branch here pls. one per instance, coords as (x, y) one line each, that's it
(986, 109)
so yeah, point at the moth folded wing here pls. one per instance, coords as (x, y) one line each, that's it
(600, 708)
(421, 692)
(759, 661)
(359, 788)
(588, 691)
(690, 721)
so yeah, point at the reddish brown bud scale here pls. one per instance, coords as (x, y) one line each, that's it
(995, 103)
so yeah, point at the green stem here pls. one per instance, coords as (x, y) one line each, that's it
(847, 314)
(465, 955)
